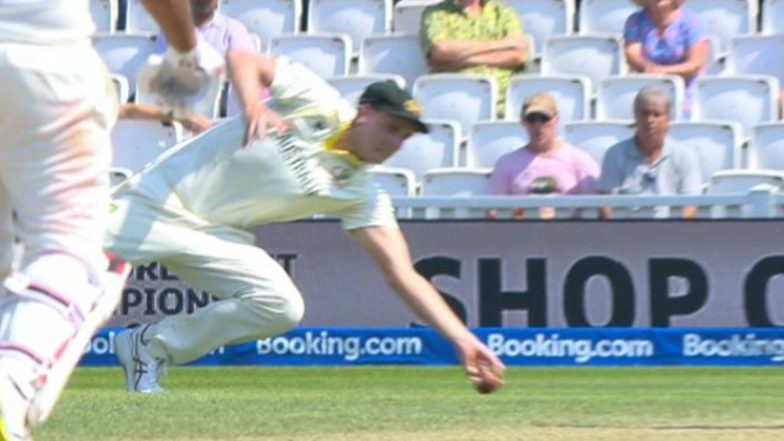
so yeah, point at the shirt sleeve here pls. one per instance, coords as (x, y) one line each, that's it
(690, 172)
(433, 28)
(610, 179)
(632, 30)
(499, 179)
(375, 210)
(695, 32)
(240, 38)
(509, 21)
(588, 174)
(302, 92)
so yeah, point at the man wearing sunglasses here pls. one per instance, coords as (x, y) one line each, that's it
(547, 164)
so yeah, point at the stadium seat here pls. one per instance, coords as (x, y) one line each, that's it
(766, 149)
(462, 98)
(357, 18)
(725, 18)
(137, 142)
(395, 181)
(604, 16)
(543, 19)
(572, 93)
(328, 55)
(138, 20)
(615, 95)
(716, 56)
(124, 54)
(352, 86)
(595, 137)
(757, 55)
(424, 151)
(717, 144)
(104, 14)
(718, 98)
(597, 57)
(393, 54)
(407, 16)
(742, 181)
(489, 140)
(121, 87)
(456, 182)
(772, 17)
(266, 19)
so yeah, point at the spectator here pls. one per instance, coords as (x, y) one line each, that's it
(219, 31)
(647, 164)
(547, 164)
(663, 38)
(483, 37)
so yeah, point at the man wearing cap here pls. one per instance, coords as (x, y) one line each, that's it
(547, 164)
(306, 151)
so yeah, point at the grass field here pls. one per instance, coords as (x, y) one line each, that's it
(411, 403)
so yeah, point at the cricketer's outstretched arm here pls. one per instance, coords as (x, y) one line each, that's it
(388, 248)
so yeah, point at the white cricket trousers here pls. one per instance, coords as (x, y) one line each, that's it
(57, 106)
(257, 298)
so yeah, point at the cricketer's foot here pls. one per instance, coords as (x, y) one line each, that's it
(142, 369)
(13, 412)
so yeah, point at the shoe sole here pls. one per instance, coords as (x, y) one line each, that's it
(44, 400)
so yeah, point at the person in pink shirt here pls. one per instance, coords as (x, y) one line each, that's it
(547, 164)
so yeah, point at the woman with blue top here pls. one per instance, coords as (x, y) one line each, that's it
(663, 38)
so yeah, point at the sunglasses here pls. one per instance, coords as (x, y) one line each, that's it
(537, 117)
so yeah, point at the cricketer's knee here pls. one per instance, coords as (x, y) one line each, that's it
(48, 312)
(276, 311)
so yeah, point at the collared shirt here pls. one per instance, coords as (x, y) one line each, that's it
(447, 21)
(675, 172)
(45, 21)
(276, 179)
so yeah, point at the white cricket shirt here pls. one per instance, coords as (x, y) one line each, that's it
(45, 21)
(276, 179)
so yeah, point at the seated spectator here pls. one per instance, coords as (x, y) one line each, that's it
(647, 164)
(663, 38)
(218, 30)
(547, 164)
(482, 37)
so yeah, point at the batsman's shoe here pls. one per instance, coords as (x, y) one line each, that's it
(13, 412)
(142, 369)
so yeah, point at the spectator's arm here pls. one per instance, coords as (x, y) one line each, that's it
(174, 17)
(696, 59)
(635, 58)
(455, 54)
(194, 123)
(691, 184)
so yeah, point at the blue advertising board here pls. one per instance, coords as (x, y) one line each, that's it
(515, 346)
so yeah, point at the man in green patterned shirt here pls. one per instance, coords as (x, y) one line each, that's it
(482, 37)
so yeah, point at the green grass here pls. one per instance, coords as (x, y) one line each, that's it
(409, 403)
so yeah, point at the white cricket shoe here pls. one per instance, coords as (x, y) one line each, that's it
(13, 410)
(142, 369)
